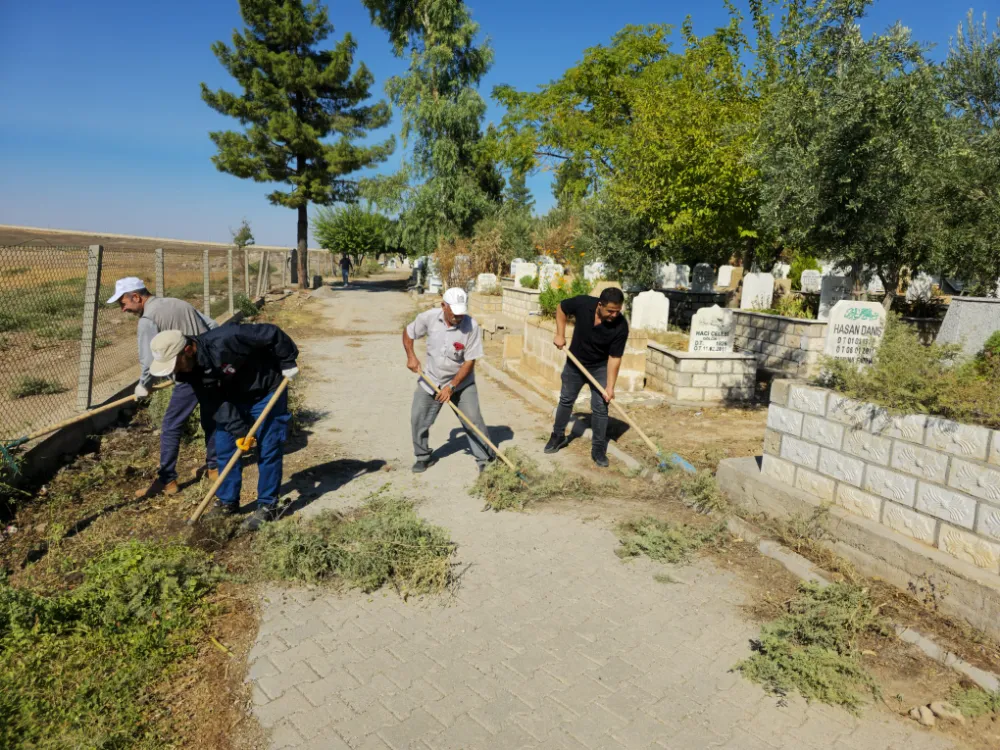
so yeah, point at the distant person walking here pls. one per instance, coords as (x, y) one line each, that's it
(454, 343)
(165, 314)
(599, 335)
(346, 266)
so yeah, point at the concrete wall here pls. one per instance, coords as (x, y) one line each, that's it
(684, 304)
(788, 346)
(520, 303)
(702, 377)
(541, 360)
(485, 304)
(927, 478)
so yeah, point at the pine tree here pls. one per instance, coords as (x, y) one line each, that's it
(518, 193)
(294, 96)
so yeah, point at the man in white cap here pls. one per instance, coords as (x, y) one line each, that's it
(165, 314)
(454, 343)
(235, 370)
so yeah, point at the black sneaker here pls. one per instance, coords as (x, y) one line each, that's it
(556, 442)
(263, 514)
(222, 510)
(421, 466)
(600, 455)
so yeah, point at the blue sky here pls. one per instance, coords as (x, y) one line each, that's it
(102, 127)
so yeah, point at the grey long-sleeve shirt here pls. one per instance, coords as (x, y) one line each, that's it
(167, 314)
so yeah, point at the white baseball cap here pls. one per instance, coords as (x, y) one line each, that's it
(166, 345)
(126, 285)
(457, 300)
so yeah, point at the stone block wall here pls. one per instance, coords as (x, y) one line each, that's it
(928, 478)
(791, 347)
(684, 304)
(519, 303)
(701, 377)
(485, 304)
(540, 359)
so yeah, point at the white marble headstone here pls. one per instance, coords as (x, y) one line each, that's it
(650, 311)
(780, 270)
(514, 263)
(547, 273)
(919, 288)
(831, 291)
(875, 285)
(666, 275)
(486, 282)
(712, 330)
(593, 271)
(704, 278)
(854, 330)
(725, 277)
(521, 270)
(758, 291)
(811, 281)
(684, 276)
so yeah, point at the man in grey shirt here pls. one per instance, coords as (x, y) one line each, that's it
(454, 343)
(167, 314)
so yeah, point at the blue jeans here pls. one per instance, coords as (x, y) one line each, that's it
(572, 382)
(270, 452)
(182, 403)
(343, 272)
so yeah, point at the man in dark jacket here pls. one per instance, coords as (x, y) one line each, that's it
(235, 370)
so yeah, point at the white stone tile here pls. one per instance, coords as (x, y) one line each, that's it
(837, 465)
(975, 479)
(989, 521)
(891, 485)
(799, 452)
(953, 507)
(908, 427)
(995, 448)
(909, 522)
(920, 462)
(784, 420)
(958, 439)
(781, 471)
(872, 448)
(808, 400)
(969, 547)
(850, 412)
(815, 484)
(818, 430)
(859, 503)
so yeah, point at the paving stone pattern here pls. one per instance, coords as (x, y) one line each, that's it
(548, 641)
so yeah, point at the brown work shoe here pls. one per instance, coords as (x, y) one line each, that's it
(213, 474)
(204, 471)
(157, 488)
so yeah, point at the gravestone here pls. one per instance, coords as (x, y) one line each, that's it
(317, 282)
(600, 286)
(832, 290)
(875, 285)
(392, 264)
(294, 260)
(919, 288)
(704, 278)
(684, 276)
(548, 273)
(666, 275)
(725, 279)
(712, 330)
(811, 281)
(758, 291)
(854, 330)
(521, 270)
(969, 322)
(514, 263)
(486, 282)
(650, 311)
(593, 271)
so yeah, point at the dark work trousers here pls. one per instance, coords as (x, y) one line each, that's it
(182, 403)
(572, 381)
(270, 452)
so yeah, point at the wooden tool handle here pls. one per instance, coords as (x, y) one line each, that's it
(239, 453)
(468, 423)
(89, 414)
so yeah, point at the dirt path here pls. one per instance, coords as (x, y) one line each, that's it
(548, 641)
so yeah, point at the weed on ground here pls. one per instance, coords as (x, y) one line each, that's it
(813, 648)
(382, 542)
(663, 541)
(32, 386)
(974, 702)
(502, 489)
(701, 492)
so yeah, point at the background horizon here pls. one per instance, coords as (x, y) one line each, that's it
(105, 131)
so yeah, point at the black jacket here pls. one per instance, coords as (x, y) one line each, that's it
(237, 366)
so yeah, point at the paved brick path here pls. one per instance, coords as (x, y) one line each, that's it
(549, 641)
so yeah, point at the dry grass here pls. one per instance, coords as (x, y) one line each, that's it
(502, 489)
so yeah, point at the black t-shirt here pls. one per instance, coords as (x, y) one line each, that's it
(593, 345)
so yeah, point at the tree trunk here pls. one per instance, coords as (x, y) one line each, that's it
(890, 295)
(302, 244)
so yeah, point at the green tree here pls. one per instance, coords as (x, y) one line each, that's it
(242, 235)
(517, 193)
(620, 240)
(449, 183)
(849, 138)
(294, 96)
(351, 230)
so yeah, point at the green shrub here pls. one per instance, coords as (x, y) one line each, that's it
(799, 264)
(78, 667)
(549, 299)
(814, 647)
(529, 282)
(974, 701)
(701, 492)
(366, 268)
(243, 304)
(663, 541)
(383, 541)
(29, 385)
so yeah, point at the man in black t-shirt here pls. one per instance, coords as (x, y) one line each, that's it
(599, 335)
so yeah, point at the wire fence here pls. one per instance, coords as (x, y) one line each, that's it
(64, 349)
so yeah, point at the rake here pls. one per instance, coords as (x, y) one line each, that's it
(673, 458)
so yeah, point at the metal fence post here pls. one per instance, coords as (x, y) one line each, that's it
(246, 272)
(207, 290)
(229, 265)
(158, 262)
(88, 333)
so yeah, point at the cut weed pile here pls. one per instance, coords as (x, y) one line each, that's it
(813, 648)
(663, 541)
(383, 541)
(503, 490)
